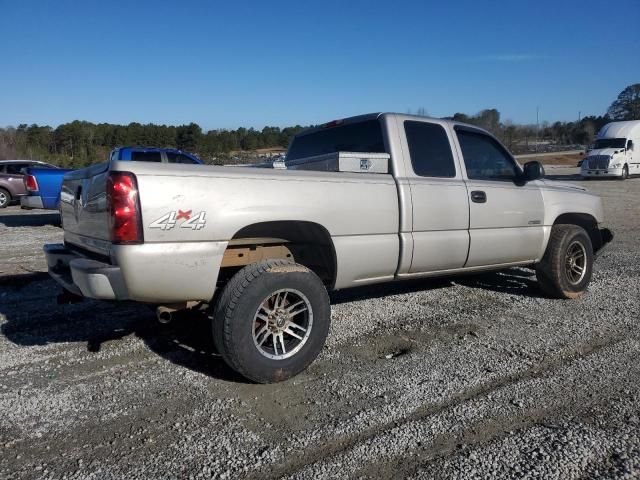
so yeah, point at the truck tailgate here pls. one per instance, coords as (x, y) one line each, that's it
(83, 206)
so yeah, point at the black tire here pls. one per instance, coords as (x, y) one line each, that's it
(5, 198)
(556, 274)
(625, 172)
(235, 320)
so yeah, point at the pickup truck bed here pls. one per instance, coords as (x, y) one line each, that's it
(42, 187)
(193, 254)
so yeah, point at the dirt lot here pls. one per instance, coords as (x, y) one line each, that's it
(479, 377)
(558, 158)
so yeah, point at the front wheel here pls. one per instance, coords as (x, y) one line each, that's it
(625, 173)
(271, 320)
(566, 267)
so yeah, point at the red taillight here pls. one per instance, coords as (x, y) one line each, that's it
(30, 183)
(124, 208)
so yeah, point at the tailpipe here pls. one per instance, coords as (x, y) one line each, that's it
(166, 313)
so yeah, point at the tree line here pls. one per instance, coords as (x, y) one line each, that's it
(527, 138)
(79, 143)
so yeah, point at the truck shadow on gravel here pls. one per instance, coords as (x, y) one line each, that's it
(30, 220)
(514, 281)
(34, 318)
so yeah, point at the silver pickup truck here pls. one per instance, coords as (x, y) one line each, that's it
(369, 199)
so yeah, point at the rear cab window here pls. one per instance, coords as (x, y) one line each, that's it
(173, 157)
(363, 136)
(142, 156)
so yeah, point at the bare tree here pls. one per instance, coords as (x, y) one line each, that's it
(627, 105)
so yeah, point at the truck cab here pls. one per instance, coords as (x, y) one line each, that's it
(614, 153)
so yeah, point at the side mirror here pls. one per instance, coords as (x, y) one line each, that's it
(532, 171)
(630, 145)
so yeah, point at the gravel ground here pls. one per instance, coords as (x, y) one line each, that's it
(475, 377)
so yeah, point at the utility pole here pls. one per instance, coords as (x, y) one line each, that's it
(537, 126)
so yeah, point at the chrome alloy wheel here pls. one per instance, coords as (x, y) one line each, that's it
(576, 263)
(3, 199)
(282, 324)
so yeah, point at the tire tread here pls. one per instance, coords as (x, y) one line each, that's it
(226, 305)
(549, 269)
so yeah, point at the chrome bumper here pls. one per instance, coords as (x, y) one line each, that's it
(158, 273)
(606, 173)
(83, 276)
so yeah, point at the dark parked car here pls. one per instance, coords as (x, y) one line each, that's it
(11, 179)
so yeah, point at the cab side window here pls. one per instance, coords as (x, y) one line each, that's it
(429, 149)
(485, 158)
(173, 157)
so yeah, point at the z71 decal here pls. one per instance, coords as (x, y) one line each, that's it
(169, 220)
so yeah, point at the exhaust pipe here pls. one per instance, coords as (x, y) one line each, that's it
(164, 313)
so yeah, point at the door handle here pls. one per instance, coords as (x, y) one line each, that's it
(478, 196)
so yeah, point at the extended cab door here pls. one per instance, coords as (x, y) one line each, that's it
(438, 195)
(505, 215)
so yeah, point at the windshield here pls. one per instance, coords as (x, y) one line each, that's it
(610, 143)
(353, 137)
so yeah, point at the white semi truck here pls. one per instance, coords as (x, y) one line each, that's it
(615, 152)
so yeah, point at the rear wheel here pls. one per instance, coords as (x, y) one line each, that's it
(5, 198)
(271, 320)
(565, 270)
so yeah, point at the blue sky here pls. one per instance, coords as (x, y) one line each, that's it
(256, 63)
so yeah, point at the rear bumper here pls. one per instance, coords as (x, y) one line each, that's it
(83, 276)
(31, 201)
(150, 272)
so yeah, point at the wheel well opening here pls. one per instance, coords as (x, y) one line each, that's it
(306, 243)
(585, 221)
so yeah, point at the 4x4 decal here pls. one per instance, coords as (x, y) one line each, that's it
(170, 220)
